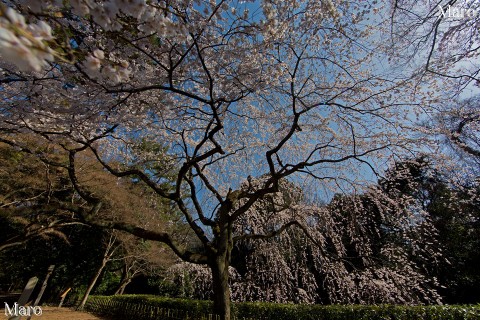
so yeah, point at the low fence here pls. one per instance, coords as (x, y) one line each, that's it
(126, 311)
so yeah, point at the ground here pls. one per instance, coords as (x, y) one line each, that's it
(54, 313)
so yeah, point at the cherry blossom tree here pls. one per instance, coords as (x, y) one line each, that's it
(231, 89)
(360, 248)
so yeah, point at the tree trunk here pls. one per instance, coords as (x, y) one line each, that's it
(122, 286)
(122, 290)
(109, 251)
(221, 291)
(91, 285)
(219, 265)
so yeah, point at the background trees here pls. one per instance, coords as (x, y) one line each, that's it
(447, 49)
(41, 226)
(29, 189)
(429, 223)
(457, 221)
(453, 210)
(379, 246)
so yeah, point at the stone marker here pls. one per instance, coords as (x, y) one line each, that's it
(44, 286)
(27, 292)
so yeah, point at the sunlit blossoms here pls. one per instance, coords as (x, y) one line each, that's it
(24, 44)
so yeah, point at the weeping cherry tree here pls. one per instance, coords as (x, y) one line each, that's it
(229, 89)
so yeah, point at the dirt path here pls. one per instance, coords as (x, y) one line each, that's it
(54, 313)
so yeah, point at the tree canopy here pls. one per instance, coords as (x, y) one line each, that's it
(235, 97)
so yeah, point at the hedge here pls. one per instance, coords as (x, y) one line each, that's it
(145, 307)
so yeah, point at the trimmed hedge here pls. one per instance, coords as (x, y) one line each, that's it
(145, 307)
(357, 312)
(148, 307)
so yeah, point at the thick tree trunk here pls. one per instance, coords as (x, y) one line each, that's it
(221, 291)
(219, 264)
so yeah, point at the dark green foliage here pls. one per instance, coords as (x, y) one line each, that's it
(454, 210)
(141, 307)
(456, 215)
(75, 261)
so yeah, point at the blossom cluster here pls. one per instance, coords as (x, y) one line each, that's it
(105, 14)
(27, 45)
(113, 70)
(23, 44)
